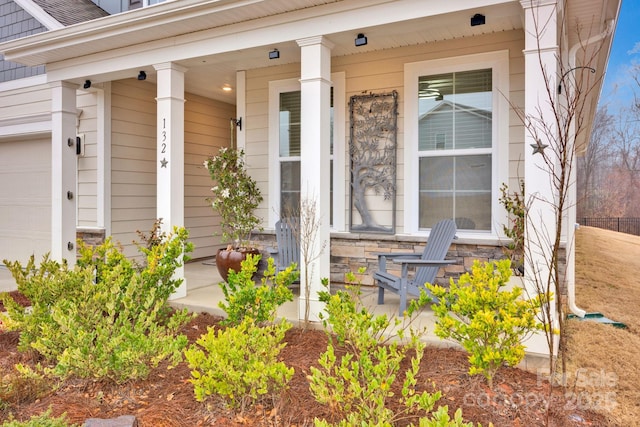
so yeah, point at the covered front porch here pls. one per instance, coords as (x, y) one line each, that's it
(204, 294)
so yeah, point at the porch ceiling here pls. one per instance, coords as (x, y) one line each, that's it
(216, 38)
(389, 36)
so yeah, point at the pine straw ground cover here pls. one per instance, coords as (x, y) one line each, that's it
(599, 351)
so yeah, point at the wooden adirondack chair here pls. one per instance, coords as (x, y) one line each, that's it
(288, 249)
(426, 263)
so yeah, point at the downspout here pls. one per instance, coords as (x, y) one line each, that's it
(571, 269)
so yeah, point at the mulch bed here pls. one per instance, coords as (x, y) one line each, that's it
(166, 397)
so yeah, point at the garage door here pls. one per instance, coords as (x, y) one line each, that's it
(25, 199)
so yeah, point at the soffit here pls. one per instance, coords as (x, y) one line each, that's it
(238, 34)
(214, 39)
(161, 21)
(171, 20)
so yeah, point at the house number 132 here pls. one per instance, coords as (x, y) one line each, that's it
(163, 144)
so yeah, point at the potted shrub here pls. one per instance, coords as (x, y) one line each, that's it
(235, 197)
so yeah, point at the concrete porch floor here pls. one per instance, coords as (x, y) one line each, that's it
(204, 294)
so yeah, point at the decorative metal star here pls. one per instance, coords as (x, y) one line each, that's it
(163, 163)
(538, 147)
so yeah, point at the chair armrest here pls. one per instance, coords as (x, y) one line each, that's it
(382, 258)
(397, 254)
(271, 250)
(405, 263)
(423, 262)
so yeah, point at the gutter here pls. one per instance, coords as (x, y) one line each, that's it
(571, 283)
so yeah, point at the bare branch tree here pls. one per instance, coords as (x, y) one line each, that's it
(592, 163)
(305, 228)
(554, 126)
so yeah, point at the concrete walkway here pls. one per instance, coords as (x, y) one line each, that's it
(7, 284)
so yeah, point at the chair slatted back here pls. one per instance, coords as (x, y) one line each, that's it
(438, 243)
(288, 245)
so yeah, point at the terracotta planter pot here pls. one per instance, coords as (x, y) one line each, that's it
(226, 260)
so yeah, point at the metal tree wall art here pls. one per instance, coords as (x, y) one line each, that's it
(372, 152)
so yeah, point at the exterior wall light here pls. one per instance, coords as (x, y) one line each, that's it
(477, 19)
(361, 40)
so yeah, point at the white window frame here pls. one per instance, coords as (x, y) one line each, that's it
(498, 61)
(276, 87)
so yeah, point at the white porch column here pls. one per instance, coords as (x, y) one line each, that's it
(170, 154)
(541, 69)
(63, 171)
(315, 86)
(103, 202)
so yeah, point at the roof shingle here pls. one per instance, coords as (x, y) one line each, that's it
(69, 12)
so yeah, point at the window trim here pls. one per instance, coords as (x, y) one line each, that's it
(276, 87)
(498, 61)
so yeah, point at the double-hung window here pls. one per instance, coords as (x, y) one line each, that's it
(289, 152)
(286, 144)
(456, 120)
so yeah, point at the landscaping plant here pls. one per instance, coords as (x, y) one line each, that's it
(357, 371)
(23, 384)
(239, 363)
(487, 319)
(515, 206)
(244, 299)
(43, 420)
(236, 195)
(102, 318)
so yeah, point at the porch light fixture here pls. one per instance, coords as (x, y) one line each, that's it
(274, 54)
(142, 75)
(477, 19)
(361, 40)
(227, 88)
(87, 84)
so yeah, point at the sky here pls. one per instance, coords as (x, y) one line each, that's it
(625, 52)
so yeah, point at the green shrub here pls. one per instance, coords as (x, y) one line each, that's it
(103, 318)
(358, 384)
(44, 285)
(43, 420)
(24, 385)
(244, 299)
(489, 321)
(239, 363)
(514, 205)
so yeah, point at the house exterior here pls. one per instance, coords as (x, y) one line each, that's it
(144, 96)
